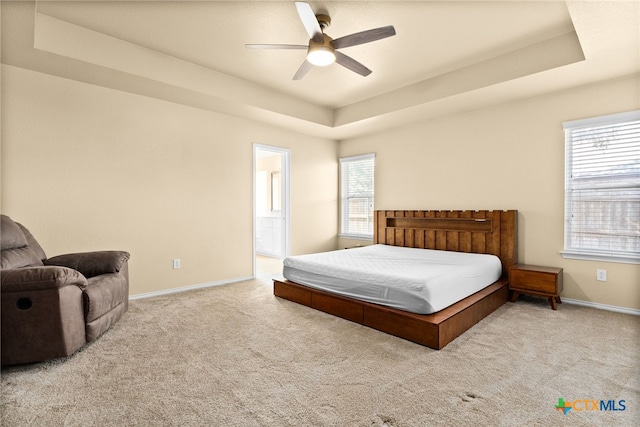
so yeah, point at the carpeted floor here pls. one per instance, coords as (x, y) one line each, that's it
(237, 356)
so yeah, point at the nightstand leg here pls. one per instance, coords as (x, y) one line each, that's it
(552, 300)
(558, 300)
(514, 297)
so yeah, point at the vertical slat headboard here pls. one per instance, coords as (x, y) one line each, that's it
(485, 232)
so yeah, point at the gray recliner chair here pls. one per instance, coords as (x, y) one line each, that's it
(53, 306)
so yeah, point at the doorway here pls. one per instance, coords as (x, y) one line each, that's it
(271, 209)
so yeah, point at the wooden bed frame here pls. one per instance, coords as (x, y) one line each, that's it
(490, 232)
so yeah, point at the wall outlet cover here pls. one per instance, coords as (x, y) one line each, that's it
(601, 275)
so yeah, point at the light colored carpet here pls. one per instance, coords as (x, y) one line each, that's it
(236, 355)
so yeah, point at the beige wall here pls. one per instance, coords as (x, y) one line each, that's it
(506, 157)
(89, 168)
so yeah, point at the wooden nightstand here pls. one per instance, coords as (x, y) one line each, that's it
(536, 280)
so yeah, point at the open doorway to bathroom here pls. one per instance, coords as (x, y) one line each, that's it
(271, 209)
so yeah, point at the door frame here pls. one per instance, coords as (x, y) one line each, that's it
(285, 174)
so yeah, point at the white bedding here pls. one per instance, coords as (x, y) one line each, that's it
(416, 280)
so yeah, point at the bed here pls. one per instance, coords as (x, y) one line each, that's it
(470, 232)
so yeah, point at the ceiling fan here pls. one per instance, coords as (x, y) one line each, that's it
(322, 50)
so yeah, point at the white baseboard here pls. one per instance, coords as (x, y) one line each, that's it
(596, 305)
(599, 306)
(188, 288)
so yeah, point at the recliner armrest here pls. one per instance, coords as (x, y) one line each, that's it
(40, 278)
(92, 264)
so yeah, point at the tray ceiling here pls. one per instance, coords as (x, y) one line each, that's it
(446, 57)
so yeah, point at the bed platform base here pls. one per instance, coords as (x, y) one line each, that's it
(432, 330)
(488, 232)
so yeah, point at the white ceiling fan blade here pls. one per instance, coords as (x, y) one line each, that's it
(364, 37)
(276, 46)
(309, 21)
(303, 70)
(352, 64)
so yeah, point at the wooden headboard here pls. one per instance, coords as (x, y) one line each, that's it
(484, 232)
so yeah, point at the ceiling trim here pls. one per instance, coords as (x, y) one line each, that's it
(543, 56)
(72, 41)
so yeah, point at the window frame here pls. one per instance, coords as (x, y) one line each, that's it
(344, 213)
(570, 250)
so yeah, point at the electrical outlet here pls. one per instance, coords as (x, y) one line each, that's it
(601, 275)
(176, 263)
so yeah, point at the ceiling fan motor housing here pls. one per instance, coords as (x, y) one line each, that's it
(324, 44)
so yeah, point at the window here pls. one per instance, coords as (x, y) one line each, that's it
(356, 196)
(602, 188)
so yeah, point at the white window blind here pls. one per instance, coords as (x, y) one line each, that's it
(356, 196)
(602, 188)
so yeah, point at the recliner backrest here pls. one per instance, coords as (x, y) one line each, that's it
(33, 243)
(16, 252)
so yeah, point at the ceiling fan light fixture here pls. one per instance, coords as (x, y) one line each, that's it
(321, 56)
(321, 53)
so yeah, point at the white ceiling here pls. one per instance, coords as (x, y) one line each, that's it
(447, 56)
